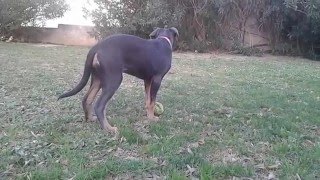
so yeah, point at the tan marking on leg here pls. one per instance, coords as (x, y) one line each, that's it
(107, 126)
(94, 89)
(149, 105)
(150, 112)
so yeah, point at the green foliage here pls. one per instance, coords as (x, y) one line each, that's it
(140, 17)
(303, 25)
(16, 13)
(293, 26)
(283, 49)
(131, 16)
(203, 25)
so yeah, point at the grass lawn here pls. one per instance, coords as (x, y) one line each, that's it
(226, 117)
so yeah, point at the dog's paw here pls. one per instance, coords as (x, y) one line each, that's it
(92, 119)
(153, 118)
(115, 132)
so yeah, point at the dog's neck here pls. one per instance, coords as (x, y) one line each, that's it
(167, 39)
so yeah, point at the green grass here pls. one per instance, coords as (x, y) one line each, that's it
(225, 116)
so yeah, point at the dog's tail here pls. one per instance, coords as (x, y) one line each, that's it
(85, 77)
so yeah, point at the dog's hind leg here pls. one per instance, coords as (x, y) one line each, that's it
(90, 96)
(109, 86)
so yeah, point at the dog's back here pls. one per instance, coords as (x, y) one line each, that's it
(129, 43)
(139, 57)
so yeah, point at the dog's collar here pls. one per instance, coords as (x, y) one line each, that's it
(167, 39)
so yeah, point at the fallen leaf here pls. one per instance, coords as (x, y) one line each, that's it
(72, 177)
(201, 142)
(64, 162)
(180, 151)
(260, 166)
(194, 145)
(164, 163)
(33, 134)
(189, 151)
(273, 167)
(122, 139)
(83, 144)
(309, 143)
(110, 150)
(42, 162)
(298, 176)
(271, 176)
(190, 170)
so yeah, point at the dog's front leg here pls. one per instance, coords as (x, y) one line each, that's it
(155, 85)
(147, 86)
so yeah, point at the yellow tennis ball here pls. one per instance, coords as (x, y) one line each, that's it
(158, 109)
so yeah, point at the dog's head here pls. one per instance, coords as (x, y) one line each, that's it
(171, 33)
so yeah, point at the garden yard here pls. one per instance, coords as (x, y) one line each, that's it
(226, 117)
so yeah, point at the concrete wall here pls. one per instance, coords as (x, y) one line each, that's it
(64, 35)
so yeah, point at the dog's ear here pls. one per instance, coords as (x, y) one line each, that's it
(154, 33)
(175, 31)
